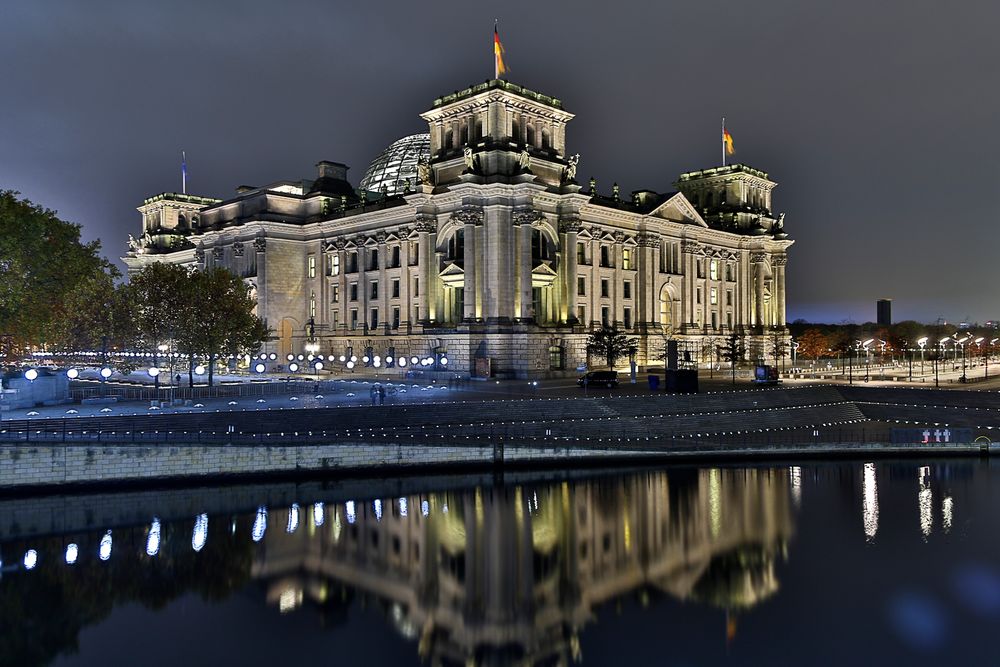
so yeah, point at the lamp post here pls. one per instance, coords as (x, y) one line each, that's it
(986, 356)
(961, 344)
(868, 357)
(922, 343)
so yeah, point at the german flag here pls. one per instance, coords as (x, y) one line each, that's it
(727, 139)
(500, 68)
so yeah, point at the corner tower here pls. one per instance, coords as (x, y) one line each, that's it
(504, 131)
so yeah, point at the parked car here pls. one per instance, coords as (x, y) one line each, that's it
(606, 378)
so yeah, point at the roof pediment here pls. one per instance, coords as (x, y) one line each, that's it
(678, 209)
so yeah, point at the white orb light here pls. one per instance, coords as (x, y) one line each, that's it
(30, 374)
(105, 372)
(293, 367)
(350, 364)
(318, 365)
(72, 374)
(402, 362)
(153, 371)
(259, 367)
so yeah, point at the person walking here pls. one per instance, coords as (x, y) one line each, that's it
(373, 392)
(381, 395)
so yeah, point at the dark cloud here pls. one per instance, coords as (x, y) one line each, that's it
(875, 118)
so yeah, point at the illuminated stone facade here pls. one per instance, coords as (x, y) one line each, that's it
(497, 257)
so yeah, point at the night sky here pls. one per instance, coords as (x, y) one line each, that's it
(878, 120)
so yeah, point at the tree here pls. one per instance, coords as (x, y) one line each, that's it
(608, 343)
(161, 295)
(102, 318)
(42, 260)
(732, 351)
(813, 343)
(218, 319)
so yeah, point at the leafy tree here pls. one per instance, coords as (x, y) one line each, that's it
(161, 295)
(610, 344)
(102, 318)
(813, 343)
(732, 351)
(218, 318)
(42, 260)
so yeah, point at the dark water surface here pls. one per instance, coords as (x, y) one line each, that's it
(849, 563)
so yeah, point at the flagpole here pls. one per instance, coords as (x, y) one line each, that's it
(184, 174)
(496, 61)
(723, 141)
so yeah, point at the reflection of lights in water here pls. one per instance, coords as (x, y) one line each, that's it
(232, 527)
(444, 508)
(30, 559)
(946, 509)
(534, 499)
(402, 507)
(200, 533)
(715, 500)
(153, 539)
(319, 514)
(104, 551)
(72, 552)
(336, 525)
(869, 502)
(260, 524)
(795, 475)
(293, 518)
(405, 625)
(349, 508)
(925, 501)
(377, 506)
(289, 599)
(627, 531)
(425, 508)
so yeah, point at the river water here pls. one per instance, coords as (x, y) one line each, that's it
(827, 563)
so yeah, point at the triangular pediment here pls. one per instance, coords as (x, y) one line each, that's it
(452, 269)
(677, 208)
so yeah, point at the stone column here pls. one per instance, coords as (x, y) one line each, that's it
(568, 230)
(259, 246)
(405, 303)
(757, 259)
(646, 299)
(426, 227)
(522, 220)
(688, 302)
(617, 302)
(779, 263)
(470, 219)
(384, 316)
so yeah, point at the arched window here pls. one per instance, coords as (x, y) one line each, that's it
(540, 249)
(531, 136)
(456, 246)
(515, 130)
(546, 138)
(181, 221)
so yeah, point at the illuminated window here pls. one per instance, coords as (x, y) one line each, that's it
(626, 259)
(312, 266)
(713, 296)
(713, 270)
(335, 266)
(312, 304)
(336, 294)
(581, 253)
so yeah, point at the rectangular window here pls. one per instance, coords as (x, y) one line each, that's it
(698, 295)
(729, 272)
(713, 296)
(713, 270)
(701, 268)
(354, 318)
(373, 259)
(581, 313)
(627, 289)
(352, 262)
(374, 318)
(336, 320)
(311, 263)
(581, 253)
(414, 253)
(626, 259)
(335, 291)
(335, 265)
(628, 318)
(605, 256)
(605, 316)
(395, 257)
(395, 317)
(416, 313)
(374, 289)
(729, 297)
(715, 320)
(604, 288)
(395, 288)
(729, 320)
(581, 286)
(312, 304)
(354, 291)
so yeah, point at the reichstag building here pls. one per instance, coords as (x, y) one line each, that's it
(476, 241)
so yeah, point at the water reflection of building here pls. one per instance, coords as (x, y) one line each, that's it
(514, 573)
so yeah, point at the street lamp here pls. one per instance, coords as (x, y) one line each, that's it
(961, 344)
(865, 345)
(922, 343)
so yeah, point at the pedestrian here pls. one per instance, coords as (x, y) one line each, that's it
(381, 395)
(373, 392)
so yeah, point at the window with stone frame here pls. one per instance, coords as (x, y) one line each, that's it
(605, 256)
(394, 261)
(627, 319)
(335, 293)
(373, 290)
(627, 289)
(604, 288)
(353, 291)
(395, 288)
(556, 358)
(373, 259)
(311, 266)
(395, 317)
(713, 270)
(352, 261)
(581, 253)
(581, 286)
(354, 318)
(335, 264)
(626, 259)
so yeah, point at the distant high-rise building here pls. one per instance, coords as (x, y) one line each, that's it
(883, 312)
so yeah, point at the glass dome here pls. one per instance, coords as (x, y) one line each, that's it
(396, 164)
